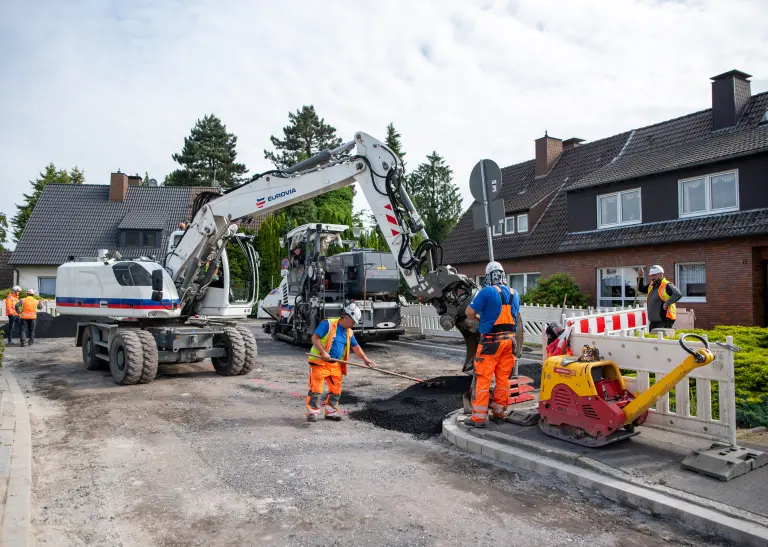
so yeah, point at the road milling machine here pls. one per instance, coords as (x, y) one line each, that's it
(316, 285)
(185, 308)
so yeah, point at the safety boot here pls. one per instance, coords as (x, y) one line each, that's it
(334, 417)
(471, 423)
(311, 418)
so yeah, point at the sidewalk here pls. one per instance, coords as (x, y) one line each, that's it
(644, 472)
(15, 462)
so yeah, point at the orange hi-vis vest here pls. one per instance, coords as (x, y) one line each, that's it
(672, 309)
(504, 322)
(327, 342)
(29, 308)
(10, 305)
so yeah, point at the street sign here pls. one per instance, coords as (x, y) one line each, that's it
(497, 213)
(492, 180)
(284, 264)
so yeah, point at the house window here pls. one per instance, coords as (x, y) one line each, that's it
(617, 287)
(619, 209)
(709, 194)
(509, 225)
(46, 286)
(140, 238)
(523, 282)
(480, 281)
(522, 223)
(497, 229)
(692, 281)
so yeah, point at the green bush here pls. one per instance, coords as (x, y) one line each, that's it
(22, 294)
(552, 290)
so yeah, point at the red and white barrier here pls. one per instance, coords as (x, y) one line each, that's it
(610, 322)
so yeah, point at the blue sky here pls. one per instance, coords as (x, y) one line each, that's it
(105, 85)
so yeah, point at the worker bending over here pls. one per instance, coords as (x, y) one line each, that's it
(498, 308)
(332, 341)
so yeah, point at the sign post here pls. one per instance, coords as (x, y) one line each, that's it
(485, 184)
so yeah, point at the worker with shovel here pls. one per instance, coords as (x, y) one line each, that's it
(331, 343)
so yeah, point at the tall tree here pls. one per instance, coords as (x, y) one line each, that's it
(208, 157)
(3, 232)
(145, 181)
(305, 135)
(435, 196)
(394, 143)
(50, 175)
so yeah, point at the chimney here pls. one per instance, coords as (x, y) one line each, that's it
(571, 143)
(730, 94)
(118, 186)
(134, 180)
(548, 149)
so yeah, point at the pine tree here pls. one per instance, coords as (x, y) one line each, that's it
(394, 143)
(208, 157)
(50, 175)
(145, 181)
(435, 196)
(304, 136)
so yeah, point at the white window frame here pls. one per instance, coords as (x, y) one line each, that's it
(499, 227)
(707, 195)
(620, 222)
(689, 299)
(627, 301)
(39, 291)
(517, 222)
(525, 279)
(507, 219)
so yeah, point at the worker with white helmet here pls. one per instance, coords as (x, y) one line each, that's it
(27, 308)
(329, 345)
(498, 309)
(662, 296)
(10, 310)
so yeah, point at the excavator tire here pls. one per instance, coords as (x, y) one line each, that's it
(149, 345)
(232, 363)
(250, 350)
(90, 360)
(126, 357)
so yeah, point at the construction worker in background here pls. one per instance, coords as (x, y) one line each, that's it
(13, 315)
(331, 341)
(498, 309)
(27, 308)
(662, 296)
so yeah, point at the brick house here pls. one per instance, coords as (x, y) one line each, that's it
(689, 193)
(78, 220)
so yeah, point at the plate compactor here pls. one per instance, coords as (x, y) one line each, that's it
(584, 400)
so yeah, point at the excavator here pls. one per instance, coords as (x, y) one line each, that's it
(184, 309)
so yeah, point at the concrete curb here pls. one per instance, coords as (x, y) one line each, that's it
(16, 439)
(705, 520)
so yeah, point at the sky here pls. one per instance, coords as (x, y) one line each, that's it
(107, 85)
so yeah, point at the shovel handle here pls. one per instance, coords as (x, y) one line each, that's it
(377, 369)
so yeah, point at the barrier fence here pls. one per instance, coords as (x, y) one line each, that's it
(49, 306)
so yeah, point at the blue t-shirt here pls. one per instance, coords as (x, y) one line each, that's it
(487, 303)
(339, 342)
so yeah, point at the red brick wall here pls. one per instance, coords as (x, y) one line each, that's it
(735, 271)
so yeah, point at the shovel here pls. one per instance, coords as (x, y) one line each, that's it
(376, 369)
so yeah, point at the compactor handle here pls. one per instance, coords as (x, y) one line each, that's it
(697, 356)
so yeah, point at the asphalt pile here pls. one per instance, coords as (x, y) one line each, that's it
(419, 409)
(62, 326)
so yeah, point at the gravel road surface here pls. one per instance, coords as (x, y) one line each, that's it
(198, 459)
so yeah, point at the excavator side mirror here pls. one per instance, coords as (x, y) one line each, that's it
(157, 296)
(157, 281)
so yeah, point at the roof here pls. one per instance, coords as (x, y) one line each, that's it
(674, 144)
(6, 270)
(80, 219)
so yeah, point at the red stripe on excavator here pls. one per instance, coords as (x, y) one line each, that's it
(392, 220)
(395, 233)
(388, 206)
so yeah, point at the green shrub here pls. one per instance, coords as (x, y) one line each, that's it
(22, 294)
(2, 350)
(552, 290)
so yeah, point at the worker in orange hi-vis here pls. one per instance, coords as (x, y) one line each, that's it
(331, 341)
(10, 310)
(498, 309)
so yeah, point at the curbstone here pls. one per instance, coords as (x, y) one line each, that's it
(15, 522)
(705, 520)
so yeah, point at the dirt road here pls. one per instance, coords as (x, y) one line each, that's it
(198, 459)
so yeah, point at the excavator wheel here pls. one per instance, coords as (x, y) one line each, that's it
(126, 357)
(250, 349)
(90, 360)
(149, 345)
(233, 361)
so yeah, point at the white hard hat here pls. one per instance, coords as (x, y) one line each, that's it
(656, 269)
(492, 267)
(30, 291)
(16, 288)
(354, 312)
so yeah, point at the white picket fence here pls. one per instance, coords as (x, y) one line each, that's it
(49, 306)
(655, 357)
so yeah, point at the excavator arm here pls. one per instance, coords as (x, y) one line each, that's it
(378, 172)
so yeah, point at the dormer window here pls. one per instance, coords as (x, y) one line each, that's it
(619, 209)
(138, 239)
(709, 194)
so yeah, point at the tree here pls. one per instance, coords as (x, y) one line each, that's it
(208, 157)
(50, 175)
(145, 181)
(394, 143)
(552, 290)
(435, 196)
(305, 135)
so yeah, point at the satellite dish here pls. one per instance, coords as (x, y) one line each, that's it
(152, 182)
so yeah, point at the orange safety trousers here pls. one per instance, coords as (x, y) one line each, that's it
(494, 358)
(329, 373)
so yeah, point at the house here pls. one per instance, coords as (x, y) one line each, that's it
(690, 194)
(78, 220)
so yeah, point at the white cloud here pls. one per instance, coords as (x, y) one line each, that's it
(104, 86)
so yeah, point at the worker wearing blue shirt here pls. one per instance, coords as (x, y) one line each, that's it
(498, 309)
